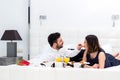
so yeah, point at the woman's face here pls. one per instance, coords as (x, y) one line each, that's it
(85, 44)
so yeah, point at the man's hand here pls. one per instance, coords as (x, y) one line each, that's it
(79, 46)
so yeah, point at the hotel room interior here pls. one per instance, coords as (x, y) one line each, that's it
(31, 21)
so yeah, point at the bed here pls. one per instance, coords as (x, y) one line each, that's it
(15, 72)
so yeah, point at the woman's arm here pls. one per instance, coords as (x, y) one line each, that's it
(87, 66)
(101, 60)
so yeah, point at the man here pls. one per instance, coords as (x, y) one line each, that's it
(56, 49)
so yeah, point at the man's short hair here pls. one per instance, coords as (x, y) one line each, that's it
(52, 38)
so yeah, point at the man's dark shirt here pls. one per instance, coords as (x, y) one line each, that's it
(78, 57)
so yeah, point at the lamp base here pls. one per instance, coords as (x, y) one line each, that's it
(9, 60)
(11, 49)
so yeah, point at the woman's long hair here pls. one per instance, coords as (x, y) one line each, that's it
(92, 43)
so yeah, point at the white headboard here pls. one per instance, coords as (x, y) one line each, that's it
(109, 38)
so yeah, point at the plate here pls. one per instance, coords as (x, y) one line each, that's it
(86, 63)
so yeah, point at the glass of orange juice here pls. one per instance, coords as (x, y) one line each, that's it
(58, 59)
(66, 59)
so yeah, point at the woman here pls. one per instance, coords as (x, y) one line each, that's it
(96, 56)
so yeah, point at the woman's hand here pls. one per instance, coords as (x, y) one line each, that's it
(95, 66)
(87, 66)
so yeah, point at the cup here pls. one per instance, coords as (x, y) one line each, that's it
(77, 65)
(59, 64)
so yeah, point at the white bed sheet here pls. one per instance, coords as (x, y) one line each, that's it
(114, 67)
(15, 72)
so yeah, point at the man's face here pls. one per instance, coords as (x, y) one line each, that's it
(59, 43)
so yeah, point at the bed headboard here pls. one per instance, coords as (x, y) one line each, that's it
(109, 38)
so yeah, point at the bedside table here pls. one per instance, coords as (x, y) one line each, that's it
(9, 60)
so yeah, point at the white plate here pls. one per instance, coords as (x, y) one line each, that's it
(86, 63)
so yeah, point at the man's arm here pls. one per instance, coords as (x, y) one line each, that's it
(78, 57)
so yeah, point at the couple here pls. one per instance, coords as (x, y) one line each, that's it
(92, 53)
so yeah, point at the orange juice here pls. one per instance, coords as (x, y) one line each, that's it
(58, 59)
(66, 59)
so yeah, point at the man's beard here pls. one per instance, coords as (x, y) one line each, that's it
(59, 46)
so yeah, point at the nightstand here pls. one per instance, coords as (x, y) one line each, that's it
(9, 60)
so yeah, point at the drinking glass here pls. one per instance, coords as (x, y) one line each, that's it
(58, 59)
(66, 59)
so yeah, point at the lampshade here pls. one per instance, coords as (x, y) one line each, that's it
(11, 35)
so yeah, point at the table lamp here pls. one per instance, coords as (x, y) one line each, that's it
(11, 46)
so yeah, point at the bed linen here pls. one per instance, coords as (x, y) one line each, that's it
(15, 72)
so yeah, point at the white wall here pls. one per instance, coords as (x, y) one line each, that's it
(13, 15)
(75, 15)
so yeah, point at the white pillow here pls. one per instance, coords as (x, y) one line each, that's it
(107, 48)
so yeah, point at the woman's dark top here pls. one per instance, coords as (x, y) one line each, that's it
(109, 62)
